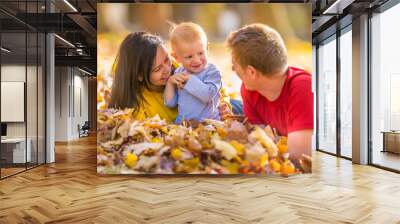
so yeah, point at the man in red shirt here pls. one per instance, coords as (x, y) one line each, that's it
(273, 93)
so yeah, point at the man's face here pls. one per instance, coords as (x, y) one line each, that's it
(243, 73)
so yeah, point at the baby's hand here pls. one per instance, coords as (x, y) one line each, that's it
(179, 79)
(224, 110)
(175, 80)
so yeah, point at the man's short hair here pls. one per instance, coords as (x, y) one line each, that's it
(187, 32)
(260, 46)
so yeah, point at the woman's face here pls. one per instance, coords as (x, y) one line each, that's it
(161, 68)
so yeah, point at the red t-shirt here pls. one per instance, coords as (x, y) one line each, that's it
(293, 110)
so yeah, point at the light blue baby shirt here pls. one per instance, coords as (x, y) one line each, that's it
(199, 99)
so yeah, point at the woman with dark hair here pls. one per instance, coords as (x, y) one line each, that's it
(141, 70)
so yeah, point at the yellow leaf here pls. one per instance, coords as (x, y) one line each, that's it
(275, 165)
(156, 140)
(221, 132)
(287, 168)
(176, 154)
(130, 160)
(238, 146)
(231, 166)
(282, 148)
(192, 163)
(264, 160)
(227, 150)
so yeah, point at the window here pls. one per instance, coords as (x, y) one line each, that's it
(346, 93)
(314, 89)
(385, 88)
(23, 76)
(327, 96)
(15, 150)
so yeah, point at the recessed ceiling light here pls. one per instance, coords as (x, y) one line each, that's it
(64, 40)
(84, 71)
(337, 7)
(70, 5)
(5, 49)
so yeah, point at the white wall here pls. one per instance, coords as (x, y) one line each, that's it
(61, 103)
(34, 125)
(12, 73)
(70, 83)
(16, 73)
(80, 100)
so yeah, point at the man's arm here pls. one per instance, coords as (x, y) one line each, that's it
(300, 118)
(299, 142)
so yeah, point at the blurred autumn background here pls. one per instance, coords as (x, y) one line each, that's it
(116, 20)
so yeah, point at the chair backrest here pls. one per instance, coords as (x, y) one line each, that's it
(86, 125)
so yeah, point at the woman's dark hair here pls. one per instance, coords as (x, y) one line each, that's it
(132, 68)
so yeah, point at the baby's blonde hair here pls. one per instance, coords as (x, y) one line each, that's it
(187, 32)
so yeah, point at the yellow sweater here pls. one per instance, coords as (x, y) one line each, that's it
(153, 105)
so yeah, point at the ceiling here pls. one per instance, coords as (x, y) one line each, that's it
(76, 25)
(76, 20)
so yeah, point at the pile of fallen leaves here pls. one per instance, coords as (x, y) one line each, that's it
(129, 146)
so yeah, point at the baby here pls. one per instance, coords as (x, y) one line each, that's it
(195, 85)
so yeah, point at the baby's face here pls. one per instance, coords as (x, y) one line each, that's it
(192, 56)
